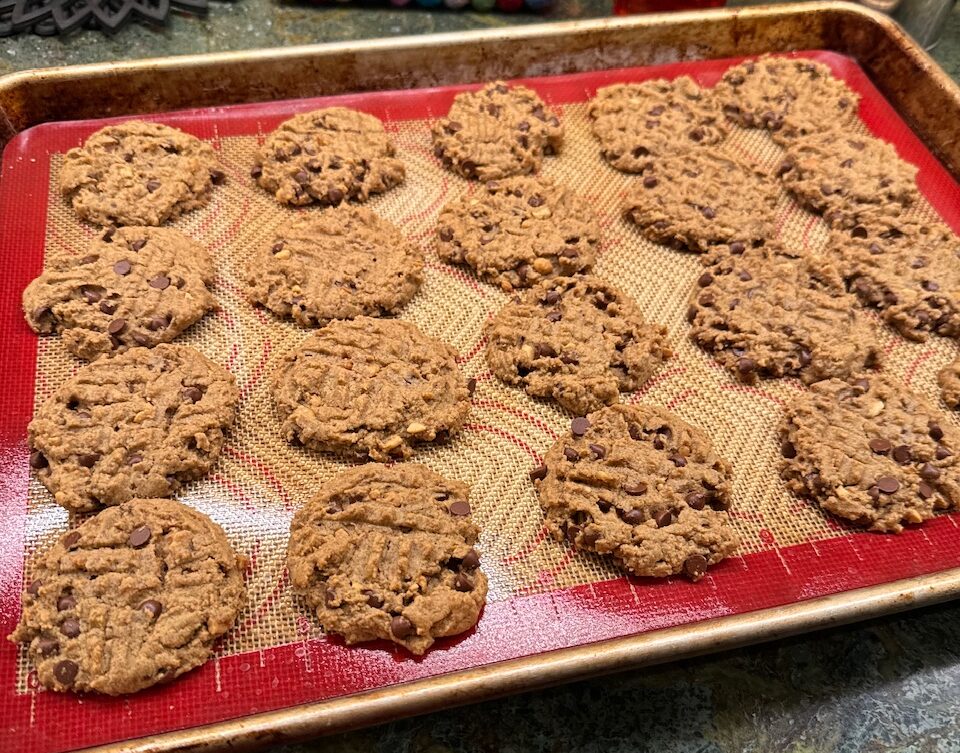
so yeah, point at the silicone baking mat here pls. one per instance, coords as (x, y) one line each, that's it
(543, 596)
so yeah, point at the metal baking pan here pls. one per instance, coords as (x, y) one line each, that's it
(906, 77)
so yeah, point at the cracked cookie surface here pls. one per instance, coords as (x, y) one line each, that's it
(132, 597)
(137, 424)
(328, 156)
(342, 263)
(578, 340)
(370, 387)
(637, 483)
(139, 173)
(949, 380)
(872, 451)
(134, 286)
(518, 231)
(388, 552)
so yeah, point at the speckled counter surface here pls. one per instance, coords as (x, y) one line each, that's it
(889, 685)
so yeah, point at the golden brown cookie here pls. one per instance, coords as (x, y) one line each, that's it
(138, 424)
(370, 388)
(637, 483)
(327, 156)
(135, 286)
(132, 597)
(578, 340)
(496, 132)
(138, 173)
(340, 263)
(518, 231)
(387, 552)
(949, 380)
(872, 451)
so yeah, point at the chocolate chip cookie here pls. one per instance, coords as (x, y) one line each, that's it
(636, 123)
(699, 199)
(639, 484)
(370, 388)
(949, 381)
(773, 312)
(137, 424)
(341, 263)
(578, 340)
(138, 173)
(839, 175)
(872, 451)
(789, 97)
(327, 156)
(387, 552)
(519, 231)
(132, 597)
(908, 270)
(133, 286)
(497, 131)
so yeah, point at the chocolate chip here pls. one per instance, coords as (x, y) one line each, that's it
(160, 282)
(887, 484)
(139, 536)
(256, 171)
(91, 293)
(38, 460)
(579, 426)
(663, 518)
(88, 459)
(599, 451)
(930, 285)
(401, 627)
(153, 185)
(705, 279)
(218, 177)
(463, 583)
(695, 566)
(554, 316)
(373, 599)
(859, 232)
(696, 500)
(471, 561)
(471, 385)
(902, 454)
(34, 588)
(192, 393)
(545, 350)
(551, 297)
(459, 508)
(925, 490)
(122, 267)
(746, 366)
(571, 454)
(141, 338)
(862, 384)
(536, 200)
(446, 234)
(47, 646)
(636, 489)
(65, 672)
(108, 234)
(539, 473)
(334, 196)
(633, 517)
(134, 459)
(70, 627)
(650, 182)
(158, 323)
(302, 176)
(788, 450)
(942, 452)
(108, 307)
(152, 607)
(737, 247)
(929, 472)
(708, 212)
(881, 446)
(678, 460)
(70, 540)
(117, 326)
(936, 433)
(66, 602)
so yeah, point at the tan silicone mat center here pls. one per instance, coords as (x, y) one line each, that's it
(260, 479)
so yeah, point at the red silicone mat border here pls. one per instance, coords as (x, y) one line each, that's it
(315, 670)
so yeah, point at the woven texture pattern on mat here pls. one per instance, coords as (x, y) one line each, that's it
(260, 479)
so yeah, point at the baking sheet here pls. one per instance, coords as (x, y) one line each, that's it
(543, 596)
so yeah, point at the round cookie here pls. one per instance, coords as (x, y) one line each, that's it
(908, 270)
(497, 131)
(387, 552)
(637, 483)
(789, 97)
(578, 340)
(138, 173)
(134, 286)
(637, 123)
(341, 263)
(370, 388)
(699, 199)
(137, 424)
(772, 312)
(519, 231)
(872, 451)
(949, 380)
(840, 175)
(132, 597)
(326, 156)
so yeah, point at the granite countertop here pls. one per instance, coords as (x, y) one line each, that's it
(888, 685)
